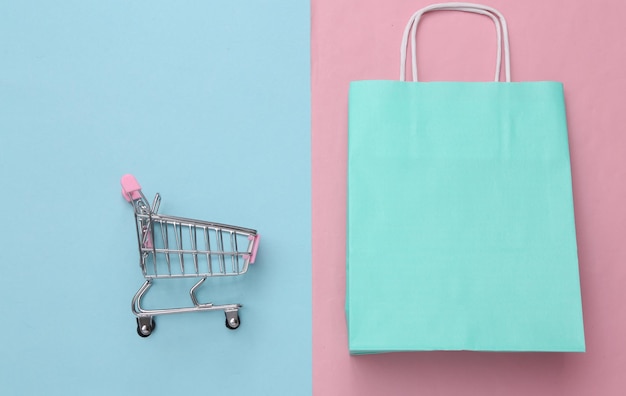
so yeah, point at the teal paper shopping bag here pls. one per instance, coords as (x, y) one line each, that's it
(460, 229)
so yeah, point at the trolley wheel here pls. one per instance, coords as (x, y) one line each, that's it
(145, 329)
(232, 321)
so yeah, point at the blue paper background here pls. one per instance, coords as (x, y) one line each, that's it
(206, 103)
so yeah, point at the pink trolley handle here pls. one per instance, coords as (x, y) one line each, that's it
(131, 190)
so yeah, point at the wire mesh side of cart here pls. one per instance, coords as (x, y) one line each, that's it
(176, 247)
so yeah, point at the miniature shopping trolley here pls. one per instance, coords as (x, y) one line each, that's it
(174, 247)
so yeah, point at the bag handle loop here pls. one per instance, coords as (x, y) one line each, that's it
(502, 35)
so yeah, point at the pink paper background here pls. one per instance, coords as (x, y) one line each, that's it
(580, 43)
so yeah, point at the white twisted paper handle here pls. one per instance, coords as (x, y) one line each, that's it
(502, 35)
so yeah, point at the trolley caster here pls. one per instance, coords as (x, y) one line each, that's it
(145, 326)
(232, 320)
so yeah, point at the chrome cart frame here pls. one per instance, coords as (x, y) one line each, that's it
(174, 247)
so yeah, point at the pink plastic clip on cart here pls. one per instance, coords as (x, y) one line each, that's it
(175, 247)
